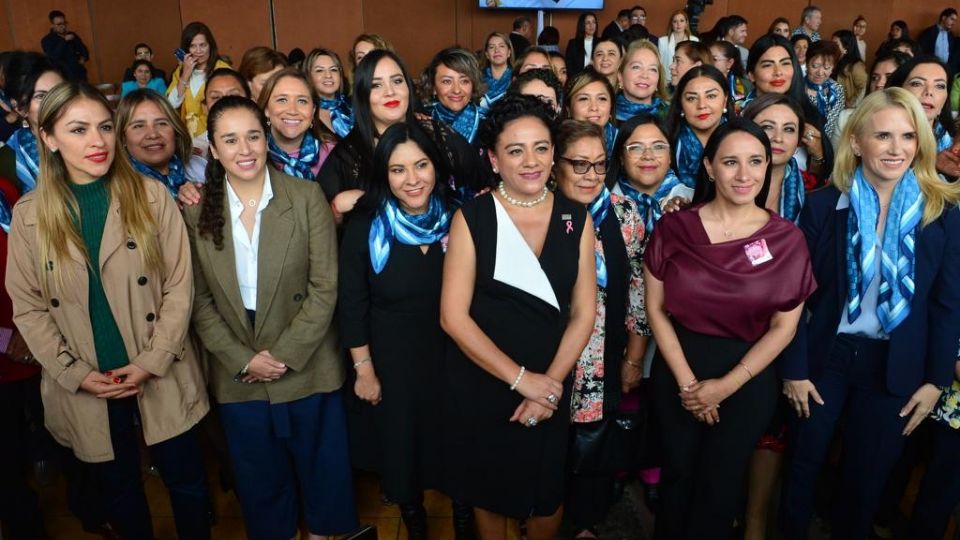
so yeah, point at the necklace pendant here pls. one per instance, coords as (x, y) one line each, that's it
(251, 203)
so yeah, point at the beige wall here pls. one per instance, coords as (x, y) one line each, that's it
(417, 28)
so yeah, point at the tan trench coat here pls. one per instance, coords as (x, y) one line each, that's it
(151, 310)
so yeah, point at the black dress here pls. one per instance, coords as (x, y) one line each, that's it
(495, 464)
(396, 313)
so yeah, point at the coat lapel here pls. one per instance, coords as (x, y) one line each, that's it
(841, 214)
(276, 229)
(224, 264)
(114, 237)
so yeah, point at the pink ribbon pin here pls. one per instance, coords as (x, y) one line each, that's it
(569, 227)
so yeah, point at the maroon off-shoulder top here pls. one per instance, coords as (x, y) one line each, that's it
(729, 289)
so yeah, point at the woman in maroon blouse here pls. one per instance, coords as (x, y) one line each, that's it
(726, 281)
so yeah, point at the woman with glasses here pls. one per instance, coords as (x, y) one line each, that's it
(612, 361)
(823, 92)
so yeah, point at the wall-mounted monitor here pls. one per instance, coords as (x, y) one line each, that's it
(592, 5)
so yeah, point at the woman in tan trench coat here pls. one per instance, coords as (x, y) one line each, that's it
(100, 277)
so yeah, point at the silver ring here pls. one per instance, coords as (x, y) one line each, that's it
(552, 398)
(531, 421)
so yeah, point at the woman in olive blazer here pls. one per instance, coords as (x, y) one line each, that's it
(265, 271)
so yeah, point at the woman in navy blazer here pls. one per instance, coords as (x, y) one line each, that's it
(880, 337)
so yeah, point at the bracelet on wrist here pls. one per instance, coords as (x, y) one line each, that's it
(359, 363)
(745, 368)
(638, 365)
(516, 381)
(686, 387)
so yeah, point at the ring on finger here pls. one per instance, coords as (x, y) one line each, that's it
(552, 398)
(531, 421)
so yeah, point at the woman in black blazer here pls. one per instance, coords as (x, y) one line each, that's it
(880, 337)
(579, 50)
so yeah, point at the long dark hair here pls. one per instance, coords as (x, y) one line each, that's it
(706, 189)
(675, 118)
(582, 25)
(378, 189)
(902, 74)
(766, 101)
(21, 72)
(211, 221)
(849, 42)
(768, 42)
(896, 57)
(364, 127)
(191, 31)
(615, 169)
(730, 51)
(904, 30)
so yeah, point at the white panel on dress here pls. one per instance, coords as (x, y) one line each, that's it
(516, 265)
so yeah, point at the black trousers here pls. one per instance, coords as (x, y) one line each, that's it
(704, 466)
(851, 383)
(19, 509)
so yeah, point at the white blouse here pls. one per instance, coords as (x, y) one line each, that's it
(246, 248)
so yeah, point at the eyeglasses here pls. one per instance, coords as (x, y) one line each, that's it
(581, 166)
(639, 149)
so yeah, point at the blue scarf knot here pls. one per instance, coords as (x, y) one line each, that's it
(341, 114)
(610, 137)
(300, 166)
(175, 178)
(466, 122)
(599, 209)
(626, 109)
(391, 223)
(827, 95)
(496, 88)
(689, 156)
(647, 205)
(24, 146)
(897, 251)
(792, 192)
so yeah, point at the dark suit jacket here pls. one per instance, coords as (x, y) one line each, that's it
(611, 30)
(66, 55)
(574, 54)
(923, 348)
(519, 44)
(296, 297)
(928, 45)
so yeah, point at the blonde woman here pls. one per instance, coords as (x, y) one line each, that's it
(100, 278)
(879, 338)
(643, 82)
(678, 30)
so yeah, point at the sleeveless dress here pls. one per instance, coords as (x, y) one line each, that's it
(522, 303)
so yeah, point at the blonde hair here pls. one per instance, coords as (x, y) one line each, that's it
(643, 44)
(57, 206)
(686, 31)
(938, 194)
(484, 61)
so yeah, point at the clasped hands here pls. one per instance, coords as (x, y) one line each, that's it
(541, 397)
(263, 367)
(116, 383)
(702, 399)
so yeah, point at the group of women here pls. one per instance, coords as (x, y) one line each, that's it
(480, 260)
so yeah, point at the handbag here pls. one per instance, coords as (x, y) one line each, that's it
(605, 446)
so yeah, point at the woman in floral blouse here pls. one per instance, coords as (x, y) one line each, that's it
(613, 359)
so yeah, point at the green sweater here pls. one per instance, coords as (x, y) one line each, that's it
(94, 202)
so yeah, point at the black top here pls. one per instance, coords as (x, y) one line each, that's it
(519, 44)
(66, 55)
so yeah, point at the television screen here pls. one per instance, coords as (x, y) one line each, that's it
(543, 4)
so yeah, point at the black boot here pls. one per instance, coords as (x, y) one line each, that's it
(463, 521)
(415, 518)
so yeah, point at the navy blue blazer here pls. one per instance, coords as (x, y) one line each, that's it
(923, 348)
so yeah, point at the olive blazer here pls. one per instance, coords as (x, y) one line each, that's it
(152, 311)
(296, 297)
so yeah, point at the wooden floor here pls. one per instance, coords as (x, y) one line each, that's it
(62, 525)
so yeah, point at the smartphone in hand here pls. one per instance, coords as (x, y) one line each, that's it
(180, 54)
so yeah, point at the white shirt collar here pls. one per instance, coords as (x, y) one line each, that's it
(236, 205)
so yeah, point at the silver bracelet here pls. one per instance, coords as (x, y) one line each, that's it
(361, 362)
(516, 381)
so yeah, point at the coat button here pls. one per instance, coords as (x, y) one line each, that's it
(54, 302)
(131, 244)
(297, 297)
(142, 280)
(50, 266)
(151, 317)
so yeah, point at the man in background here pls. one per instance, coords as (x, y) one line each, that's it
(65, 49)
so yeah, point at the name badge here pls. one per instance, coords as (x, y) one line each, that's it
(758, 252)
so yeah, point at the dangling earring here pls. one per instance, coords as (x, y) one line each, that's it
(710, 178)
(681, 114)
(24, 124)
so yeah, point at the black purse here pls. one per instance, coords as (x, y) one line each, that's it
(605, 446)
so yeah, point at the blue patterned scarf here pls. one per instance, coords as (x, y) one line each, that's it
(496, 88)
(627, 109)
(173, 179)
(827, 95)
(897, 251)
(649, 206)
(300, 166)
(6, 213)
(689, 156)
(341, 114)
(465, 122)
(24, 146)
(792, 192)
(742, 104)
(610, 138)
(391, 223)
(944, 140)
(734, 86)
(599, 209)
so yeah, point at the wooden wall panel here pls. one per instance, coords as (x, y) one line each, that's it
(311, 23)
(7, 41)
(30, 19)
(112, 25)
(236, 24)
(416, 28)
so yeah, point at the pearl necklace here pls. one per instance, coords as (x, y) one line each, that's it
(516, 202)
